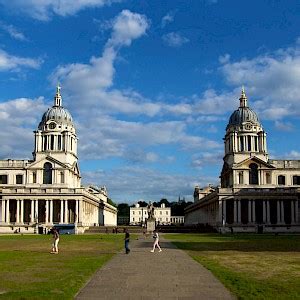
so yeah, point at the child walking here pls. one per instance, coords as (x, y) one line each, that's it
(156, 241)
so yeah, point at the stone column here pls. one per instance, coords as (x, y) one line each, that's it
(268, 212)
(264, 211)
(253, 212)
(61, 211)
(7, 212)
(32, 212)
(77, 211)
(235, 220)
(36, 212)
(47, 211)
(249, 211)
(282, 212)
(51, 212)
(3, 211)
(296, 212)
(80, 219)
(18, 212)
(66, 211)
(22, 212)
(278, 213)
(292, 212)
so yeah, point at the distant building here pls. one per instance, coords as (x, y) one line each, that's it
(47, 190)
(256, 193)
(162, 214)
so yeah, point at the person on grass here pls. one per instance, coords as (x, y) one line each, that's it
(156, 241)
(55, 234)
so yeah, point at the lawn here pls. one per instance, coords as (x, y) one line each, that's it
(29, 271)
(250, 266)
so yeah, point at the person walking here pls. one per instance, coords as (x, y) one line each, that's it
(127, 236)
(55, 240)
(156, 241)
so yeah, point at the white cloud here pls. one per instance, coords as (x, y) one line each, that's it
(272, 79)
(13, 32)
(168, 18)
(293, 155)
(15, 63)
(284, 126)
(224, 59)
(174, 39)
(44, 10)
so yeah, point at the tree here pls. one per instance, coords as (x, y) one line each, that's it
(123, 209)
(164, 201)
(109, 201)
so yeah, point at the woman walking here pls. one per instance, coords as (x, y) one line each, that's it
(156, 241)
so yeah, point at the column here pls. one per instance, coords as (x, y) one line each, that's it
(224, 211)
(7, 212)
(296, 212)
(235, 211)
(36, 212)
(239, 207)
(282, 212)
(66, 211)
(253, 212)
(264, 211)
(47, 211)
(77, 211)
(293, 212)
(18, 212)
(3, 211)
(278, 213)
(61, 211)
(80, 218)
(32, 212)
(249, 211)
(51, 211)
(268, 212)
(22, 212)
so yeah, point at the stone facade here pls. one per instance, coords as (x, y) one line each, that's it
(256, 193)
(47, 190)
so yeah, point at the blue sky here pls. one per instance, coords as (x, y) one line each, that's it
(150, 84)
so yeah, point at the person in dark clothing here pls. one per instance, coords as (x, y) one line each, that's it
(127, 250)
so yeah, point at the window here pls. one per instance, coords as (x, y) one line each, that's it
(296, 180)
(160, 212)
(62, 177)
(241, 177)
(268, 178)
(139, 212)
(241, 143)
(281, 180)
(167, 219)
(59, 142)
(45, 142)
(47, 176)
(253, 176)
(33, 177)
(249, 142)
(52, 142)
(256, 143)
(133, 219)
(167, 212)
(3, 179)
(19, 179)
(133, 212)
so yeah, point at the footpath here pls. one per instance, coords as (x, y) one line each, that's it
(170, 274)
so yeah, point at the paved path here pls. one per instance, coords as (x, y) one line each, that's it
(170, 274)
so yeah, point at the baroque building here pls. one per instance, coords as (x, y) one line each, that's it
(47, 190)
(256, 193)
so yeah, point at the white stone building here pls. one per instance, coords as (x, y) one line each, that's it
(256, 193)
(47, 190)
(162, 214)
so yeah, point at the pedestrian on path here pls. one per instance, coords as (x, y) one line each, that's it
(55, 234)
(156, 241)
(127, 236)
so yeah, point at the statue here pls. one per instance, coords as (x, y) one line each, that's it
(150, 210)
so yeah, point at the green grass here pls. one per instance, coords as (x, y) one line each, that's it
(29, 271)
(250, 266)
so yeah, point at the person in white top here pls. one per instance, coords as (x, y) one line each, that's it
(156, 241)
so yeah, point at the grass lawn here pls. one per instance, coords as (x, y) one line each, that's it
(250, 266)
(29, 271)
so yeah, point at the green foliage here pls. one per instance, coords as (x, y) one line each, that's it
(251, 266)
(123, 209)
(29, 271)
(109, 201)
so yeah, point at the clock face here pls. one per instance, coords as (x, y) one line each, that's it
(52, 125)
(248, 126)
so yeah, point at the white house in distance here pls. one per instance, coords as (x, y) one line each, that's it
(256, 193)
(47, 190)
(162, 214)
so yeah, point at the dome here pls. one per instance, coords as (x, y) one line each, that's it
(243, 114)
(56, 113)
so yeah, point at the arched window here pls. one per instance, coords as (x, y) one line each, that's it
(47, 176)
(281, 180)
(253, 176)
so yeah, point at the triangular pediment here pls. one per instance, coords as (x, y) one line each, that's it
(75, 168)
(50, 159)
(246, 162)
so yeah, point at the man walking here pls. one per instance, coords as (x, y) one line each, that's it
(127, 250)
(156, 241)
(55, 240)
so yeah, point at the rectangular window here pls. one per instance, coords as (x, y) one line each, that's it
(167, 212)
(19, 179)
(133, 219)
(241, 143)
(62, 177)
(167, 219)
(139, 212)
(249, 143)
(3, 179)
(52, 142)
(59, 142)
(160, 212)
(281, 180)
(296, 180)
(256, 144)
(33, 177)
(45, 142)
(133, 212)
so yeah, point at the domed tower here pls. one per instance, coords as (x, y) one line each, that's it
(56, 134)
(245, 138)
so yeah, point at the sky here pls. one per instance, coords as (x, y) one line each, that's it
(150, 84)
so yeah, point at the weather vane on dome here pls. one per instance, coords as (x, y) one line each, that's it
(58, 88)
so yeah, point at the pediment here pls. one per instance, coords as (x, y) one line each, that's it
(40, 163)
(245, 163)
